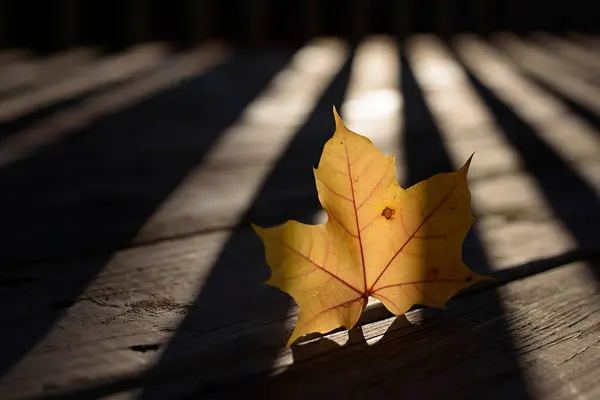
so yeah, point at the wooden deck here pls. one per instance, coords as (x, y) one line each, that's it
(127, 181)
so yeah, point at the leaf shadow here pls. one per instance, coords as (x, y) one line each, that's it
(466, 351)
(454, 354)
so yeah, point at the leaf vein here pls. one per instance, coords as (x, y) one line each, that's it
(322, 268)
(328, 309)
(332, 190)
(418, 282)
(385, 174)
(344, 227)
(411, 236)
(360, 244)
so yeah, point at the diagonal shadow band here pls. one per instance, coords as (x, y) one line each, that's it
(576, 107)
(288, 193)
(353, 371)
(571, 198)
(69, 199)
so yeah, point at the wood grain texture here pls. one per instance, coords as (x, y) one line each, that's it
(93, 301)
(554, 320)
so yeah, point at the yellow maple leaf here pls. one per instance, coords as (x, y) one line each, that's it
(403, 247)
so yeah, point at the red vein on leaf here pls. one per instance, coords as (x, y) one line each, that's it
(359, 156)
(322, 268)
(336, 219)
(364, 171)
(328, 309)
(303, 274)
(338, 171)
(318, 285)
(418, 202)
(333, 190)
(362, 229)
(330, 165)
(419, 282)
(360, 244)
(410, 237)
(385, 173)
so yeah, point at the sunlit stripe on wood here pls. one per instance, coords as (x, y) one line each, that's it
(497, 181)
(372, 103)
(573, 139)
(220, 182)
(107, 71)
(551, 70)
(591, 42)
(126, 66)
(8, 56)
(21, 71)
(251, 146)
(570, 51)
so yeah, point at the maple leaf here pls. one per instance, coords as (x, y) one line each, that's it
(403, 247)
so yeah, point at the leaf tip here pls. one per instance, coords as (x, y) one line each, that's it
(339, 124)
(258, 229)
(465, 167)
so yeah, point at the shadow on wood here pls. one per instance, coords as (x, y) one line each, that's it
(88, 195)
(571, 198)
(288, 193)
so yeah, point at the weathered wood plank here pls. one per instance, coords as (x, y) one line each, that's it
(21, 71)
(469, 131)
(307, 75)
(589, 41)
(537, 107)
(506, 220)
(499, 188)
(110, 70)
(372, 105)
(73, 119)
(9, 56)
(572, 82)
(138, 167)
(569, 51)
(554, 320)
(246, 151)
(142, 293)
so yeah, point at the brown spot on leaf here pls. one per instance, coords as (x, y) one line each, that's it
(435, 271)
(388, 213)
(469, 278)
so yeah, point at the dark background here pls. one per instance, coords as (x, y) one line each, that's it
(46, 26)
